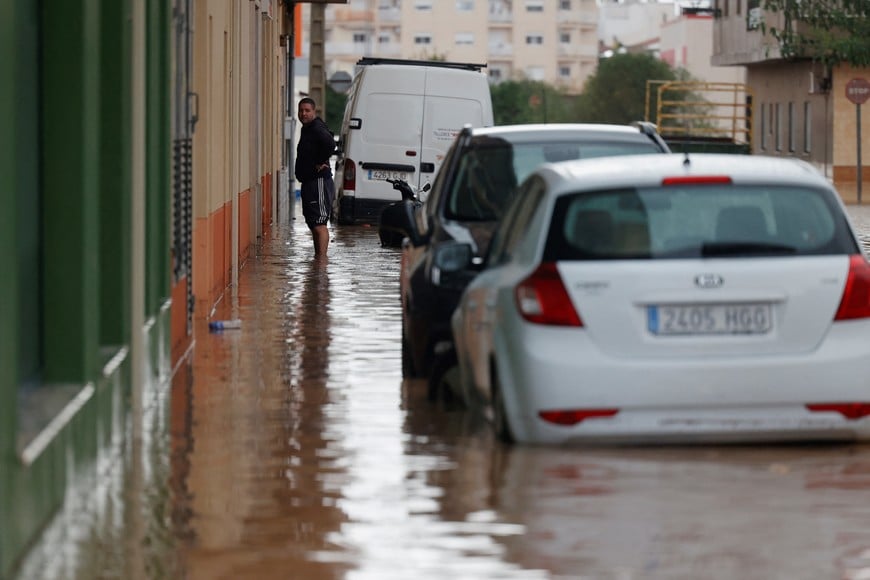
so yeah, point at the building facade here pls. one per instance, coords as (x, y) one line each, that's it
(801, 107)
(142, 147)
(685, 43)
(555, 41)
(632, 23)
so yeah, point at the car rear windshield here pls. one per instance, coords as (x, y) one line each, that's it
(489, 171)
(697, 221)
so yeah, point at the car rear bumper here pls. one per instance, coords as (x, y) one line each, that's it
(696, 426)
(747, 398)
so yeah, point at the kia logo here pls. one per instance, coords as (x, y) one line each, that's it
(708, 280)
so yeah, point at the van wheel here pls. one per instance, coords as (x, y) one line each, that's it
(343, 218)
(500, 423)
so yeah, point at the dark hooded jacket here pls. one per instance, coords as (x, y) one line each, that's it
(316, 146)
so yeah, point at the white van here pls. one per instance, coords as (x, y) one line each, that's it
(401, 116)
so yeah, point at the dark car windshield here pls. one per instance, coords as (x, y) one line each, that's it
(697, 221)
(489, 170)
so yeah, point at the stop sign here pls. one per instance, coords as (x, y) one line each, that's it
(858, 90)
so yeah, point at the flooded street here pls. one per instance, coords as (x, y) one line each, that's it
(292, 449)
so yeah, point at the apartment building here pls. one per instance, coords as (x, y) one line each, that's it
(685, 42)
(555, 41)
(801, 108)
(633, 24)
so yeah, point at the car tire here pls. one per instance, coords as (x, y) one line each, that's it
(444, 379)
(390, 239)
(408, 370)
(500, 424)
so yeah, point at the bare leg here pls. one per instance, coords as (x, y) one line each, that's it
(321, 239)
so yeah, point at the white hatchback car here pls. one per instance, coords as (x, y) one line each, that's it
(671, 298)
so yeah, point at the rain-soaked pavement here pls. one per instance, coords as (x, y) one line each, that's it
(292, 449)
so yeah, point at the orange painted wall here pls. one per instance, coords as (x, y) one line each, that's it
(210, 242)
(212, 251)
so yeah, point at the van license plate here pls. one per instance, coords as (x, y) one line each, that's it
(691, 319)
(381, 175)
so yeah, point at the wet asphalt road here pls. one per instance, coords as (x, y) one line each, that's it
(292, 449)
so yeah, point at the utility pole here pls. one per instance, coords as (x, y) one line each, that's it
(317, 58)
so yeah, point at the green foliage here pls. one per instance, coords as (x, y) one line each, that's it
(827, 31)
(616, 93)
(334, 109)
(433, 56)
(524, 101)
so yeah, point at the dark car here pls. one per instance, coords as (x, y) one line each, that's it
(478, 178)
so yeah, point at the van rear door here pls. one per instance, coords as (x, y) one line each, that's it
(390, 131)
(454, 98)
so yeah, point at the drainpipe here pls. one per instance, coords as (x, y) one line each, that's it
(290, 117)
(235, 112)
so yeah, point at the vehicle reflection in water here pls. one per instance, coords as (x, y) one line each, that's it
(292, 449)
(706, 512)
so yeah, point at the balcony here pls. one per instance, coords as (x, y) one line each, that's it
(389, 15)
(391, 50)
(345, 49)
(500, 13)
(578, 50)
(501, 49)
(345, 16)
(582, 18)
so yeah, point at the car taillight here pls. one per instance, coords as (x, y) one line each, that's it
(349, 177)
(855, 302)
(570, 417)
(542, 298)
(851, 411)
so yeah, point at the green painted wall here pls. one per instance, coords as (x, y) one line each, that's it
(65, 202)
(28, 229)
(70, 147)
(10, 14)
(114, 199)
(159, 155)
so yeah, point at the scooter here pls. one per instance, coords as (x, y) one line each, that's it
(405, 189)
(390, 235)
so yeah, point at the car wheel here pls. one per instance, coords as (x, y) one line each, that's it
(390, 239)
(500, 423)
(444, 379)
(408, 370)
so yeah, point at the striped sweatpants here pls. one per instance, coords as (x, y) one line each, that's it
(317, 196)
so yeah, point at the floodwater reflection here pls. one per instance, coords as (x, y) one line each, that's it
(292, 449)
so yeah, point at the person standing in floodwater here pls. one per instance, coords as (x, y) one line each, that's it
(316, 146)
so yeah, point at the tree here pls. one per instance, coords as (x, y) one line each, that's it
(525, 101)
(616, 93)
(827, 31)
(334, 109)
